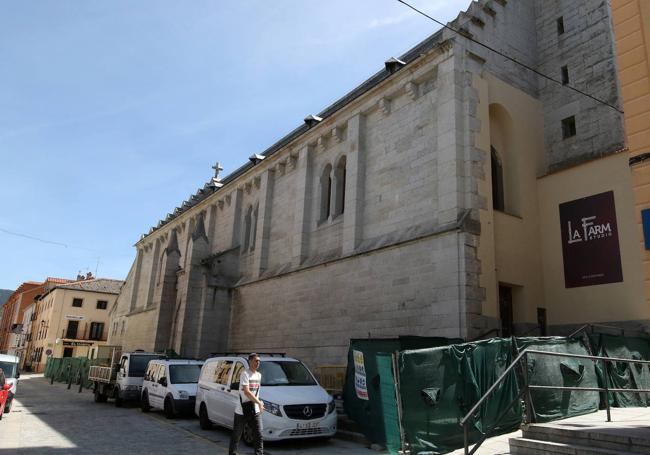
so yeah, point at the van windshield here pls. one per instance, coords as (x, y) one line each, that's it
(277, 372)
(138, 363)
(184, 374)
(9, 368)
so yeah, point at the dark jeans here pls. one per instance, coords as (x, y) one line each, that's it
(255, 424)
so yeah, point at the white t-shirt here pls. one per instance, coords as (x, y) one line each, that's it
(253, 381)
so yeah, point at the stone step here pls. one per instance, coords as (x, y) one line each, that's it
(524, 446)
(636, 440)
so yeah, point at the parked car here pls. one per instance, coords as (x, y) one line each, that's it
(170, 385)
(4, 393)
(296, 406)
(9, 365)
(122, 377)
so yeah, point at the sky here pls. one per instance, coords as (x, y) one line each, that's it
(113, 112)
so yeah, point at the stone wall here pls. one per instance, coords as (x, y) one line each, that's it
(409, 289)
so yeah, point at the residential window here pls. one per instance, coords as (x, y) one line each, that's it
(560, 25)
(102, 304)
(96, 330)
(565, 75)
(77, 302)
(71, 332)
(568, 127)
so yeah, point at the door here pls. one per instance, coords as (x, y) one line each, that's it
(219, 394)
(156, 397)
(233, 392)
(505, 310)
(541, 321)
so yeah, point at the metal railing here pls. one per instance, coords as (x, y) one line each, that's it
(591, 327)
(529, 413)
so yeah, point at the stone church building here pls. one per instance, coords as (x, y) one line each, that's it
(432, 199)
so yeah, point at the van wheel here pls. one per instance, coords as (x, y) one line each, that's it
(118, 399)
(247, 434)
(144, 402)
(169, 408)
(204, 420)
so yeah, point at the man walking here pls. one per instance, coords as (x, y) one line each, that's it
(249, 408)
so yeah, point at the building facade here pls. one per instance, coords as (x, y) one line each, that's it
(70, 318)
(11, 327)
(440, 198)
(632, 30)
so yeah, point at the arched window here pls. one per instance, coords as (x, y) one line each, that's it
(339, 187)
(326, 193)
(247, 228)
(498, 198)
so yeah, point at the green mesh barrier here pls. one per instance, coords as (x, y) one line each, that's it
(368, 413)
(76, 368)
(622, 375)
(388, 402)
(439, 386)
(558, 371)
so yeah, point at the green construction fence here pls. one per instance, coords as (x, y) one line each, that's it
(366, 393)
(439, 386)
(440, 380)
(66, 368)
(560, 371)
(623, 375)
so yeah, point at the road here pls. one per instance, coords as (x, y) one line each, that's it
(49, 419)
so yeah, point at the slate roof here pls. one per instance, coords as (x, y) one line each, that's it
(104, 285)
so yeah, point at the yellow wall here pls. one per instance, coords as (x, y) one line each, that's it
(601, 303)
(521, 246)
(632, 31)
(56, 305)
(512, 122)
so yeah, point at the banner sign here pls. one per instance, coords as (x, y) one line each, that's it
(360, 375)
(78, 343)
(590, 241)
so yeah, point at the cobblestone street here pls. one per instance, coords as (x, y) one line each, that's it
(49, 419)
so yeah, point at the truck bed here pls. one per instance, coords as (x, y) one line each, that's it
(102, 374)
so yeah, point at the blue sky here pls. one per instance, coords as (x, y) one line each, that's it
(113, 112)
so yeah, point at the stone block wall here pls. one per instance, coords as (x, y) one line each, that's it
(407, 289)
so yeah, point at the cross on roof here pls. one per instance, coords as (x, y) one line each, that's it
(217, 168)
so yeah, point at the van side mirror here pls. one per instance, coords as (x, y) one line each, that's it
(17, 374)
(163, 382)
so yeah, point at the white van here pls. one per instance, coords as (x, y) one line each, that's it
(170, 385)
(9, 365)
(296, 406)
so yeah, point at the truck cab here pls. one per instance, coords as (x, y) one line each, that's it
(130, 372)
(121, 378)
